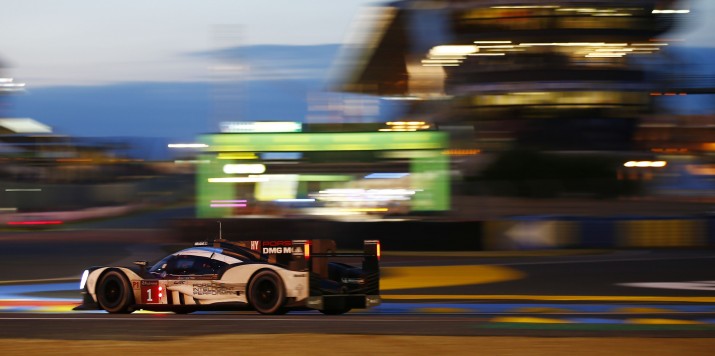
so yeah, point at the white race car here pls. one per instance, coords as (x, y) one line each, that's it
(271, 277)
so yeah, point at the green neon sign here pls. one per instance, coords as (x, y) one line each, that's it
(311, 141)
(429, 167)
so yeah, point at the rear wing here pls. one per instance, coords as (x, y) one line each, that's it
(315, 254)
(342, 290)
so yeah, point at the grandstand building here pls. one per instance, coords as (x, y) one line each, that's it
(557, 75)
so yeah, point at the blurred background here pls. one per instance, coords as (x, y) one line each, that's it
(534, 116)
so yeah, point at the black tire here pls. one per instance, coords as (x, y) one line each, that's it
(114, 294)
(266, 293)
(335, 311)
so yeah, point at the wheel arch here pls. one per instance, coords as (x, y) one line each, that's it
(246, 272)
(99, 273)
(120, 300)
(281, 282)
(296, 287)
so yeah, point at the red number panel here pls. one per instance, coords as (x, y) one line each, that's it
(152, 292)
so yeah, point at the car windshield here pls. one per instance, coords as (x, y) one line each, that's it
(161, 265)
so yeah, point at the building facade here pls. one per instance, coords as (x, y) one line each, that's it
(559, 75)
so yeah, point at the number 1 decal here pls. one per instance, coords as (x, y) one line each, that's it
(151, 292)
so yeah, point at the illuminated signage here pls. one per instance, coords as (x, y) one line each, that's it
(313, 141)
(261, 126)
(244, 168)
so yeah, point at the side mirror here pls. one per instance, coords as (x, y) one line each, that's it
(143, 264)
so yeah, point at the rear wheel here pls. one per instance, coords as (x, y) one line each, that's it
(266, 293)
(114, 294)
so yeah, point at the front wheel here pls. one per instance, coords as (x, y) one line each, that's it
(114, 294)
(266, 293)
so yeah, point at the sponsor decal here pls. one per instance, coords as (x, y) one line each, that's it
(211, 289)
(352, 280)
(179, 282)
(276, 250)
(277, 247)
(151, 292)
(278, 243)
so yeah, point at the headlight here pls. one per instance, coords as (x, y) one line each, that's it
(83, 281)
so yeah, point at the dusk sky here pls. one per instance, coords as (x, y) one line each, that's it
(81, 42)
(137, 68)
(87, 42)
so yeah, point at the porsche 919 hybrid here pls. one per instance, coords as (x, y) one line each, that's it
(270, 277)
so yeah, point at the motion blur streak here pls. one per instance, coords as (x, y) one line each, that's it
(394, 278)
(39, 222)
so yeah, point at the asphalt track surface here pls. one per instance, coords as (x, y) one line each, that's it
(638, 293)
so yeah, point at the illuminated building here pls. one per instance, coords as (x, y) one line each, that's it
(676, 135)
(346, 169)
(556, 75)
